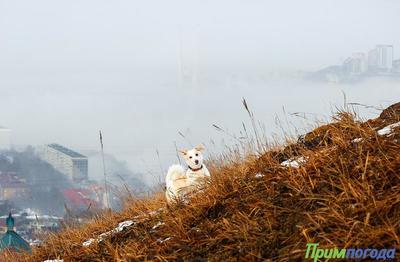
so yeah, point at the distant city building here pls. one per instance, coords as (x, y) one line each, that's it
(373, 60)
(380, 59)
(66, 161)
(396, 66)
(356, 65)
(377, 62)
(11, 186)
(5, 138)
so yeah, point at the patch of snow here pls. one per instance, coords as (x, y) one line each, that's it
(163, 240)
(54, 260)
(388, 129)
(259, 175)
(158, 225)
(294, 162)
(88, 242)
(357, 140)
(154, 228)
(43, 217)
(35, 242)
(121, 226)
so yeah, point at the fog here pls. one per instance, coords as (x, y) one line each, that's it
(142, 71)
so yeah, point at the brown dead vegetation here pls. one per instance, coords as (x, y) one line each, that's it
(346, 194)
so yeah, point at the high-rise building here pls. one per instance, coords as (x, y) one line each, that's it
(66, 161)
(396, 66)
(356, 65)
(380, 59)
(5, 138)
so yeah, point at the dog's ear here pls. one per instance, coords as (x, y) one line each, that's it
(200, 148)
(183, 152)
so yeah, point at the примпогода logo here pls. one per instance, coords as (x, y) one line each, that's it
(313, 252)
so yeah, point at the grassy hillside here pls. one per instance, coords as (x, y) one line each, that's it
(337, 186)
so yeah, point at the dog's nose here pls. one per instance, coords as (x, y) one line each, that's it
(196, 161)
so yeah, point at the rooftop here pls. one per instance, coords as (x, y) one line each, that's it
(79, 197)
(11, 240)
(65, 150)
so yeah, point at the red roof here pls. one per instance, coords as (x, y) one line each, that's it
(79, 197)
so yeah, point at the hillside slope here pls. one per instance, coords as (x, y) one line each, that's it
(338, 186)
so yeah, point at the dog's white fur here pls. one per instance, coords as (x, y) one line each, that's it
(181, 184)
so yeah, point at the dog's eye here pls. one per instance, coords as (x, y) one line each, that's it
(190, 157)
(197, 154)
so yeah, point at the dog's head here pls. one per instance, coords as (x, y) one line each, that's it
(194, 157)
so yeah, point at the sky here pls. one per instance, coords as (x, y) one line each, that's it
(71, 68)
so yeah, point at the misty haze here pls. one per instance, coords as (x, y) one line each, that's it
(155, 76)
(134, 71)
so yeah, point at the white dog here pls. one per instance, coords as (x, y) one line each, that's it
(180, 183)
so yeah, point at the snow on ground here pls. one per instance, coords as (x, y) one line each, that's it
(163, 240)
(121, 226)
(294, 162)
(157, 225)
(387, 130)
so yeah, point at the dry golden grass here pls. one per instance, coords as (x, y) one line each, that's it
(347, 194)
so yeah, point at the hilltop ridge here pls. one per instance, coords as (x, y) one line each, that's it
(338, 186)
